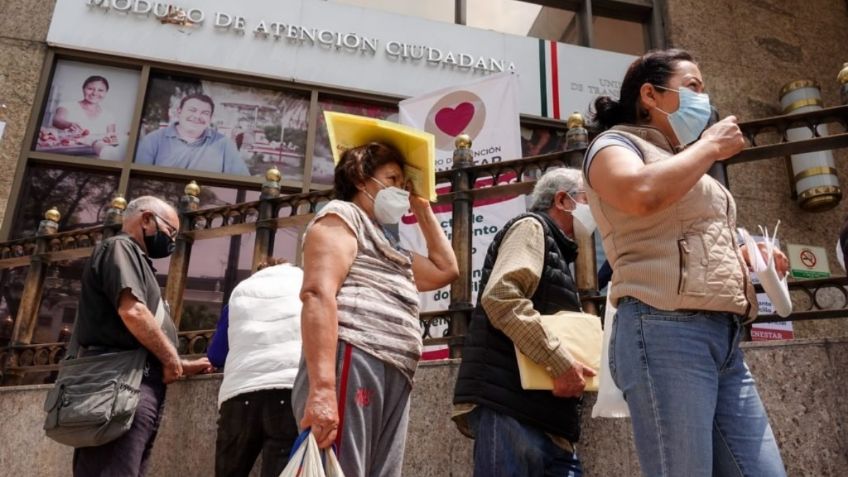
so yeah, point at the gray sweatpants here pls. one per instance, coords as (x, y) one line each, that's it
(373, 412)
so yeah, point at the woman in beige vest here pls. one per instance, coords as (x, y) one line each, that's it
(680, 282)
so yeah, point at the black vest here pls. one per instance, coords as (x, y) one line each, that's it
(488, 374)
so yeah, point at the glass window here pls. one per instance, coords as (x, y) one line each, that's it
(11, 290)
(59, 296)
(536, 140)
(439, 10)
(210, 280)
(88, 111)
(621, 36)
(287, 243)
(207, 285)
(82, 198)
(524, 19)
(171, 191)
(322, 161)
(189, 123)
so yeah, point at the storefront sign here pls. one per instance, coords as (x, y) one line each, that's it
(338, 45)
(299, 35)
(807, 261)
(157, 10)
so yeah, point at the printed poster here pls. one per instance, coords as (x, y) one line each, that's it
(488, 111)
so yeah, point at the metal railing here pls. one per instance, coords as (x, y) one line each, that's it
(813, 299)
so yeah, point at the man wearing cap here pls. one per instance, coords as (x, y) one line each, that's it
(526, 274)
(359, 322)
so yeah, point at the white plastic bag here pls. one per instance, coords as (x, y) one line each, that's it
(775, 287)
(610, 402)
(307, 459)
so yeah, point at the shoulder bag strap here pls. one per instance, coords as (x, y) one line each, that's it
(160, 313)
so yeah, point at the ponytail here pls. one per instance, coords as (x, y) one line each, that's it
(654, 67)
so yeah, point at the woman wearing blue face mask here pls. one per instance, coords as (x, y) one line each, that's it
(360, 328)
(681, 285)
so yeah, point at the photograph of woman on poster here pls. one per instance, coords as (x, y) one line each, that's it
(81, 115)
(87, 117)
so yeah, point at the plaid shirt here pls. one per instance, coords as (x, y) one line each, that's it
(506, 300)
(511, 284)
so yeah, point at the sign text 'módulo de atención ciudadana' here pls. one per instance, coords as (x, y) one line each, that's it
(300, 35)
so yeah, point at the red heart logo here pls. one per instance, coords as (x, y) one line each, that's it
(452, 121)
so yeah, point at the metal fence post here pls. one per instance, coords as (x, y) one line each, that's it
(34, 282)
(26, 320)
(265, 229)
(114, 216)
(585, 269)
(462, 183)
(178, 272)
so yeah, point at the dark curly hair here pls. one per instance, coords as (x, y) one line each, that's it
(95, 79)
(654, 67)
(358, 164)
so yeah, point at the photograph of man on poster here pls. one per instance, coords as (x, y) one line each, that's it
(190, 143)
(195, 124)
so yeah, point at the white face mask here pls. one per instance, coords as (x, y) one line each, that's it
(390, 204)
(583, 220)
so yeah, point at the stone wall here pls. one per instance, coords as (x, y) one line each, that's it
(800, 382)
(747, 51)
(24, 25)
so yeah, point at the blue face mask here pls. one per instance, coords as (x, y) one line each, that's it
(691, 117)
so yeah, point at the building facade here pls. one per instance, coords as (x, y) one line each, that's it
(254, 77)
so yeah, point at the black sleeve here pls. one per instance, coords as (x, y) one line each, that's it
(843, 241)
(120, 269)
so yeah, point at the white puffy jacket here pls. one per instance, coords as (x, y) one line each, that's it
(264, 332)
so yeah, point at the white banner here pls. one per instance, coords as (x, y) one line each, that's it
(778, 330)
(486, 110)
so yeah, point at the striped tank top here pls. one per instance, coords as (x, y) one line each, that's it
(378, 300)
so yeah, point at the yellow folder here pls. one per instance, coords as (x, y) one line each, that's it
(417, 147)
(582, 336)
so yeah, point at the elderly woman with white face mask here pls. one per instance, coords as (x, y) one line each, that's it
(360, 326)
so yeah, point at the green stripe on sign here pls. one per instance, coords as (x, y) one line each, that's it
(543, 76)
(808, 274)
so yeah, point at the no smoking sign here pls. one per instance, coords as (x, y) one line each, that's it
(807, 261)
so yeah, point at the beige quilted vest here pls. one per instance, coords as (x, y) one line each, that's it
(682, 258)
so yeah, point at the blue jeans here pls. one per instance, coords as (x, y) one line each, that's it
(504, 447)
(694, 405)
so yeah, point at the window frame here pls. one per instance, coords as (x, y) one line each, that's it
(125, 167)
(650, 13)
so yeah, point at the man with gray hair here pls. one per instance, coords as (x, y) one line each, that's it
(118, 299)
(525, 274)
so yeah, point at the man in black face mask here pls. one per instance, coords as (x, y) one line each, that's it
(118, 299)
